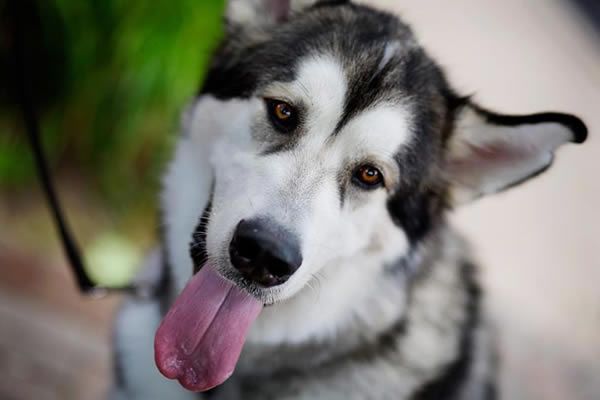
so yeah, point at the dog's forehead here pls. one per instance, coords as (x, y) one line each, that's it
(346, 63)
(325, 85)
(375, 51)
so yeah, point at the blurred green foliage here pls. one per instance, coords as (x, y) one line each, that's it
(115, 75)
(110, 79)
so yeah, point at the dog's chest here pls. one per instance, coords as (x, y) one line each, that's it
(277, 373)
(242, 389)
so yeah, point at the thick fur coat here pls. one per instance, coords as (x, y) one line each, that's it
(385, 304)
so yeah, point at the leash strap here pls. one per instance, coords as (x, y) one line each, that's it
(31, 124)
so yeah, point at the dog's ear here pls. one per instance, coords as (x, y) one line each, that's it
(489, 152)
(265, 12)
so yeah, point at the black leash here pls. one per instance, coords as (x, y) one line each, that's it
(31, 124)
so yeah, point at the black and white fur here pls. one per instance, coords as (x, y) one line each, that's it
(386, 303)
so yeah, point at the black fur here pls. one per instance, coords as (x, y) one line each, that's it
(198, 244)
(575, 124)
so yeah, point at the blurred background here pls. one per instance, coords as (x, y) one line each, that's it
(111, 78)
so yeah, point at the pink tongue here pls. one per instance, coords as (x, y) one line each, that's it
(200, 339)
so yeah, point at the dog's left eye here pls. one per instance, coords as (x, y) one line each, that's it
(367, 177)
(283, 116)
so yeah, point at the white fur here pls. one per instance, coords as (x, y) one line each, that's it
(324, 309)
(187, 183)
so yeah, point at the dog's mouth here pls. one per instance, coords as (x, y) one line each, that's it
(200, 339)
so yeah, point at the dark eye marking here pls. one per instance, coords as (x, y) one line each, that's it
(282, 115)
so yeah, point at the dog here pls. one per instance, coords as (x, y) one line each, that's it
(305, 249)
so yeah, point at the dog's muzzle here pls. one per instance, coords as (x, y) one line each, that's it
(264, 252)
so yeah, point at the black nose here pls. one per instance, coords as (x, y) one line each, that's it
(264, 252)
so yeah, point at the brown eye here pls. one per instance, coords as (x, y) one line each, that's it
(283, 111)
(283, 116)
(368, 177)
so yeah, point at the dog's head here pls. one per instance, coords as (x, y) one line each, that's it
(336, 133)
(328, 135)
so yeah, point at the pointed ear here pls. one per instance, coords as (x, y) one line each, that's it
(263, 12)
(489, 152)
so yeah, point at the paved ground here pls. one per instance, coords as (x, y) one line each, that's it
(53, 344)
(538, 244)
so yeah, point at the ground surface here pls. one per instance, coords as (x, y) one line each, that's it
(53, 344)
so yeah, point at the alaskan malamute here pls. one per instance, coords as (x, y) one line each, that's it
(305, 249)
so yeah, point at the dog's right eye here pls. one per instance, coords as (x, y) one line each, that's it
(283, 116)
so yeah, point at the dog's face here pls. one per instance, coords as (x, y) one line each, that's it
(336, 137)
(310, 174)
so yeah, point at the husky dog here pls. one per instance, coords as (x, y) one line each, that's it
(313, 177)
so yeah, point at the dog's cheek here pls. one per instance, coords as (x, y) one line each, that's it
(375, 231)
(366, 218)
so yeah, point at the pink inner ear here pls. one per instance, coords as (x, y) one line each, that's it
(490, 154)
(280, 9)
